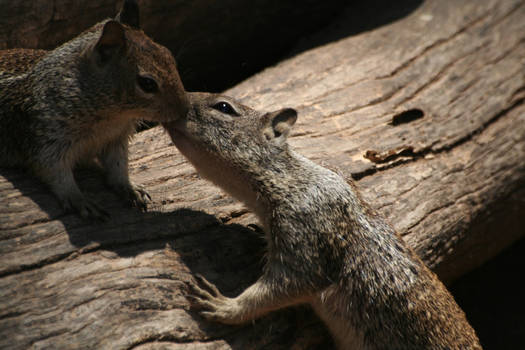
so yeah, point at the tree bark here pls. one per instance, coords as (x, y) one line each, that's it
(426, 113)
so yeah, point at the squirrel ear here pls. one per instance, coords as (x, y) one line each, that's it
(129, 14)
(111, 41)
(278, 124)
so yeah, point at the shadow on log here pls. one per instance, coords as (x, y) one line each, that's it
(426, 112)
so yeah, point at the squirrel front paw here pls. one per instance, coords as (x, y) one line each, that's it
(135, 195)
(87, 209)
(211, 304)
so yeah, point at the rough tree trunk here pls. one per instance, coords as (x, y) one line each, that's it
(426, 112)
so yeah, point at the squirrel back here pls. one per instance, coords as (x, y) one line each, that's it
(83, 100)
(326, 246)
(17, 61)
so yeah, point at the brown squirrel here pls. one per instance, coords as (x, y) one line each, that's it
(325, 246)
(83, 100)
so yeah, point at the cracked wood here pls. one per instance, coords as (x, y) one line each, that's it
(456, 196)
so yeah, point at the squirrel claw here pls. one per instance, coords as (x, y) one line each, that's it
(210, 287)
(135, 195)
(206, 299)
(197, 303)
(139, 198)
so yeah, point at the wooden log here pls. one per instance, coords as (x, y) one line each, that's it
(426, 112)
(216, 43)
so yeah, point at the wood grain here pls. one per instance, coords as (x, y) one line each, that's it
(426, 112)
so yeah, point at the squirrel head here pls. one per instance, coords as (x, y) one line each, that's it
(233, 145)
(139, 73)
(227, 130)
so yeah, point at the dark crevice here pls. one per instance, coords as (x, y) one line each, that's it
(359, 175)
(28, 267)
(52, 334)
(11, 315)
(407, 116)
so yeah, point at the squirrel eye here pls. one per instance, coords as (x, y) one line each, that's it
(147, 84)
(225, 108)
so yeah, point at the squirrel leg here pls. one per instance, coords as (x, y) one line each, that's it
(260, 298)
(115, 161)
(62, 182)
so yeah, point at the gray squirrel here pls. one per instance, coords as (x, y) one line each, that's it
(83, 100)
(325, 246)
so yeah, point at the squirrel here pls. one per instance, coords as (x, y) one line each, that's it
(82, 101)
(325, 246)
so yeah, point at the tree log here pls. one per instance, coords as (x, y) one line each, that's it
(216, 43)
(426, 113)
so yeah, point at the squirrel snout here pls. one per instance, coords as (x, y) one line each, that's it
(183, 107)
(179, 105)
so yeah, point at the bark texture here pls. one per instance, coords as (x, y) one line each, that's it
(425, 112)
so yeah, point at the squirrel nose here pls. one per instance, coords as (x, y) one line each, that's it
(183, 106)
(179, 104)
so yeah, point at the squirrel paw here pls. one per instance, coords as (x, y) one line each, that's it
(135, 195)
(211, 304)
(86, 208)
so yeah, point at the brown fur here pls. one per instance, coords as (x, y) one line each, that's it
(17, 61)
